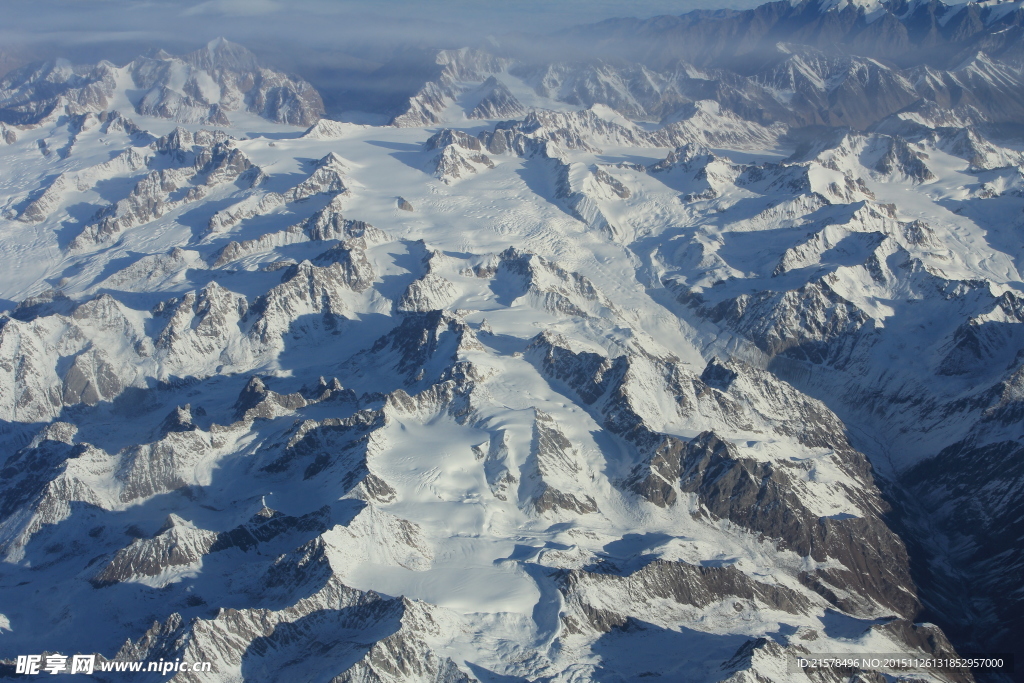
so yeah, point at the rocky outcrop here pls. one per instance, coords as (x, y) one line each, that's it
(453, 69)
(326, 178)
(206, 162)
(553, 467)
(546, 285)
(762, 497)
(324, 288)
(324, 225)
(62, 353)
(422, 348)
(177, 548)
(432, 292)
(496, 102)
(495, 456)
(725, 483)
(601, 601)
(267, 525)
(202, 87)
(320, 627)
(639, 431)
(776, 323)
(458, 155)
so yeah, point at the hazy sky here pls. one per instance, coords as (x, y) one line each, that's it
(118, 27)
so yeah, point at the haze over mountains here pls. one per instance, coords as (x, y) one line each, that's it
(667, 348)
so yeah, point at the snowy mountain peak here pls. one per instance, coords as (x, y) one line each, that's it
(204, 86)
(582, 370)
(978, 62)
(871, 8)
(221, 53)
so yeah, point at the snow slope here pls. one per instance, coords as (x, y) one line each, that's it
(569, 396)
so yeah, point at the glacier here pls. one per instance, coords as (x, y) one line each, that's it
(573, 371)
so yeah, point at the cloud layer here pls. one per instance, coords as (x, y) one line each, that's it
(347, 25)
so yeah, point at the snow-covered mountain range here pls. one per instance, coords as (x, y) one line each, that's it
(574, 371)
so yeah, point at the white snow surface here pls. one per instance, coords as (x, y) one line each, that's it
(605, 245)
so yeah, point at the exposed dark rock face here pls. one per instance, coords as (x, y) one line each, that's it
(201, 163)
(813, 323)
(965, 493)
(717, 375)
(747, 386)
(268, 524)
(336, 444)
(422, 342)
(553, 458)
(684, 584)
(759, 497)
(655, 479)
(755, 495)
(496, 102)
(318, 629)
(32, 469)
(177, 545)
